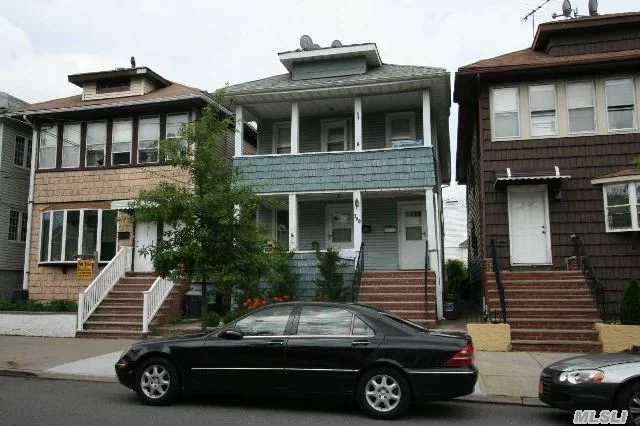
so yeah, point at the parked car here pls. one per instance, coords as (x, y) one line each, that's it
(595, 382)
(309, 349)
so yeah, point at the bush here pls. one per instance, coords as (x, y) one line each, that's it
(630, 304)
(230, 316)
(456, 275)
(213, 319)
(331, 287)
(34, 306)
(283, 282)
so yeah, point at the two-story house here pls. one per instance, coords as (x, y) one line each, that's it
(546, 141)
(15, 161)
(94, 152)
(356, 150)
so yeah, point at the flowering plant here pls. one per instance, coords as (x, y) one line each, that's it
(255, 302)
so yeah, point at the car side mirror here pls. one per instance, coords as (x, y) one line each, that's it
(231, 334)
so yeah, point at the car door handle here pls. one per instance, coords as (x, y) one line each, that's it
(360, 343)
(275, 343)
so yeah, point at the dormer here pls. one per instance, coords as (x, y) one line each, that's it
(313, 61)
(118, 83)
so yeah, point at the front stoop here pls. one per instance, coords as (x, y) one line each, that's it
(119, 316)
(549, 311)
(402, 292)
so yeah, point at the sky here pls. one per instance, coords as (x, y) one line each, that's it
(207, 44)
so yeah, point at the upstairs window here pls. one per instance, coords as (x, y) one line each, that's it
(96, 142)
(542, 106)
(400, 126)
(582, 107)
(121, 141)
(71, 145)
(148, 135)
(334, 135)
(22, 152)
(111, 86)
(620, 94)
(48, 146)
(282, 138)
(506, 112)
(174, 129)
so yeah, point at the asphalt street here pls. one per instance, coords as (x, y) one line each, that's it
(36, 401)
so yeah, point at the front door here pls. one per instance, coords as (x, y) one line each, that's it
(146, 235)
(529, 225)
(412, 234)
(340, 226)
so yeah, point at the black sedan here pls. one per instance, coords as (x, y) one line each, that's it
(595, 382)
(307, 349)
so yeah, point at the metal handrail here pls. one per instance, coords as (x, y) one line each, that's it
(499, 285)
(92, 296)
(596, 287)
(153, 300)
(357, 277)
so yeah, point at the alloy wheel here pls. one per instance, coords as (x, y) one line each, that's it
(155, 381)
(383, 393)
(634, 408)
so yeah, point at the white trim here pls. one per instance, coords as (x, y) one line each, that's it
(293, 222)
(357, 126)
(633, 206)
(635, 104)
(329, 123)
(274, 136)
(295, 127)
(619, 179)
(287, 58)
(357, 220)
(531, 188)
(32, 173)
(328, 209)
(555, 103)
(595, 107)
(388, 117)
(239, 134)
(492, 114)
(426, 118)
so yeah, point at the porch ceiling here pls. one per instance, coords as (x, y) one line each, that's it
(347, 196)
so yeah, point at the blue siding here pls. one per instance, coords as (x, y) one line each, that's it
(328, 68)
(305, 264)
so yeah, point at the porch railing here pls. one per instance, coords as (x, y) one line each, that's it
(596, 287)
(90, 298)
(499, 285)
(153, 300)
(357, 277)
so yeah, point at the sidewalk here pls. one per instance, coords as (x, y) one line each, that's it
(505, 377)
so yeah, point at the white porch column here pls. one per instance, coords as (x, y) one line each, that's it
(295, 128)
(426, 117)
(434, 246)
(357, 123)
(293, 222)
(239, 130)
(357, 220)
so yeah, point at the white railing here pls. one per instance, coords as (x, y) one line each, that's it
(153, 300)
(89, 299)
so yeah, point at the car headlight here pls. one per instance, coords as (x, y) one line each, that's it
(582, 376)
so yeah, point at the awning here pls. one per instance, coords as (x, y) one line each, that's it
(121, 205)
(529, 177)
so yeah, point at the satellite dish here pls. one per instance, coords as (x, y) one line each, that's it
(336, 43)
(316, 46)
(593, 7)
(306, 43)
(566, 8)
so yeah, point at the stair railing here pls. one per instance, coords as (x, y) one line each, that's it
(153, 300)
(596, 287)
(92, 296)
(499, 285)
(357, 277)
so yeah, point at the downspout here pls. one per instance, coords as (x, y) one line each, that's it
(32, 178)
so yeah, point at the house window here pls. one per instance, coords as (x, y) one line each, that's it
(542, 107)
(48, 146)
(14, 223)
(282, 138)
(28, 154)
(400, 126)
(148, 135)
(620, 95)
(282, 228)
(582, 107)
(506, 112)
(67, 233)
(18, 151)
(96, 142)
(71, 145)
(621, 206)
(121, 141)
(174, 129)
(335, 135)
(111, 86)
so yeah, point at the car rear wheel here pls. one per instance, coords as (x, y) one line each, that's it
(157, 382)
(383, 393)
(629, 399)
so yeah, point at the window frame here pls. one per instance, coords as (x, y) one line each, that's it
(18, 226)
(64, 139)
(493, 113)
(55, 146)
(276, 126)
(157, 139)
(635, 104)
(179, 138)
(389, 117)
(594, 98)
(555, 110)
(633, 205)
(22, 153)
(104, 145)
(327, 124)
(113, 124)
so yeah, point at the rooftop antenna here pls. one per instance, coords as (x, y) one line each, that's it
(593, 7)
(566, 11)
(306, 43)
(133, 62)
(533, 15)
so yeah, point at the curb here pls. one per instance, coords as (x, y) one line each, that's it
(17, 373)
(503, 399)
(57, 376)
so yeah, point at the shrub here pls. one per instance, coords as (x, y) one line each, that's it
(230, 316)
(283, 282)
(456, 274)
(213, 319)
(331, 286)
(62, 306)
(630, 304)
(34, 306)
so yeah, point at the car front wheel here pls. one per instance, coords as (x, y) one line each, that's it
(157, 382)
(629, 399)
(383, 393)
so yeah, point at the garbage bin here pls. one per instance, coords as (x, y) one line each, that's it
(193, 304)
(450, 306)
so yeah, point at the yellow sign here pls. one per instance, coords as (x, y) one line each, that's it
(85, 269)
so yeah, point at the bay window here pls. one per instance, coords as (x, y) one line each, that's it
(542, 108)
(48, 146)
(148, 135)
(620, 97)
(506, 112)
(581, 107)
(96, 142)
(66, 234)
(121, 141)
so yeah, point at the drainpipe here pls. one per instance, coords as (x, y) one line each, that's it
(32, 177)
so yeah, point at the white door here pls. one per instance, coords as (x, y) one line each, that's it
(529, 236)
(146, 234)
(339, 228)
(412, 233)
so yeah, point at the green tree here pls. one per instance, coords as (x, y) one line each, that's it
(212, 235)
